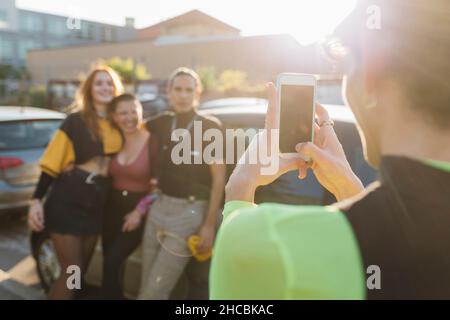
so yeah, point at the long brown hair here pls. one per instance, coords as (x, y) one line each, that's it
(85, 102)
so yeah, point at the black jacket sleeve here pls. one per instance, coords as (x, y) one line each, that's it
(45, 181)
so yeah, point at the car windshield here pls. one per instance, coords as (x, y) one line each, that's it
(26, 134)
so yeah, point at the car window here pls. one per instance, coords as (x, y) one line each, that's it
(153, 107)
(26, 134)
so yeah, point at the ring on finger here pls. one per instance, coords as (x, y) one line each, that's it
(328, 122)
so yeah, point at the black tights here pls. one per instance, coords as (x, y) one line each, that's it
(71, 251)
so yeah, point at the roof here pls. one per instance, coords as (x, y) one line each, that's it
(185, 18)
(28, 113)
(41, 13)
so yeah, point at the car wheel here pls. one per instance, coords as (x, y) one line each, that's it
(47, 263)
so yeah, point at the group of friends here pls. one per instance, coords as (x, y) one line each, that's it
(395, 82)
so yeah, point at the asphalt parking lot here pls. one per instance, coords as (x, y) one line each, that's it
(18, 277)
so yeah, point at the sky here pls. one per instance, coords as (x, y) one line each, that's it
(307, 20)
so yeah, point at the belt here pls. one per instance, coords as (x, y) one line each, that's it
(191, 198)
(90, 177)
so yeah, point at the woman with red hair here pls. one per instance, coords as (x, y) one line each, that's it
(75, 165)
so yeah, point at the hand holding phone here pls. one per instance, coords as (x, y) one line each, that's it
(296, 99)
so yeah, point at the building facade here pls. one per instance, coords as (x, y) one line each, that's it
(23, 30)
(260, 57)
(194, 40)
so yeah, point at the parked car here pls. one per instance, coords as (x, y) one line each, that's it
(24, 134)
(153, 104)
(227, 102)
(286, 189)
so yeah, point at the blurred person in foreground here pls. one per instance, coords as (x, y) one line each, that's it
(396, 83)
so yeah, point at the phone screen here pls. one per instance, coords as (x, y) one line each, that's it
(296, 116)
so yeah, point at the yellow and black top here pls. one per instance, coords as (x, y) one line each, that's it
(73, 143)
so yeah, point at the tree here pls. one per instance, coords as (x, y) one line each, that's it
(208, 78)
(38, 96)
(8, 72)
(232, 80)
(125, 68)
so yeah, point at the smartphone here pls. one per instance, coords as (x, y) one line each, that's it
(296, 98)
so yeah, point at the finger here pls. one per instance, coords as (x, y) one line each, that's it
(201, 246)
(302, 170)
(202, 250)
(302, 173)
(38, 221)
(318, 135)
(311, 151)
(321, 113)
(272, 108)
(286, 165)
(125, 227)
(31, 224)
(326, 133)
(35, 225)
(40, 218)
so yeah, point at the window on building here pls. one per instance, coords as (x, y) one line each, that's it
(114, 35)
(87, 30)
(57, 26)
(3, 16)
(108, 34)
(3, 19)
(30, 22)
(27, 44)
(6, 49)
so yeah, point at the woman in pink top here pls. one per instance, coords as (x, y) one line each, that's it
(133, 171)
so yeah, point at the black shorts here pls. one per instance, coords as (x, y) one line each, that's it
(75, 203)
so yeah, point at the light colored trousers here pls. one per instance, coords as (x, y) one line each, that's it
(161, 269)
